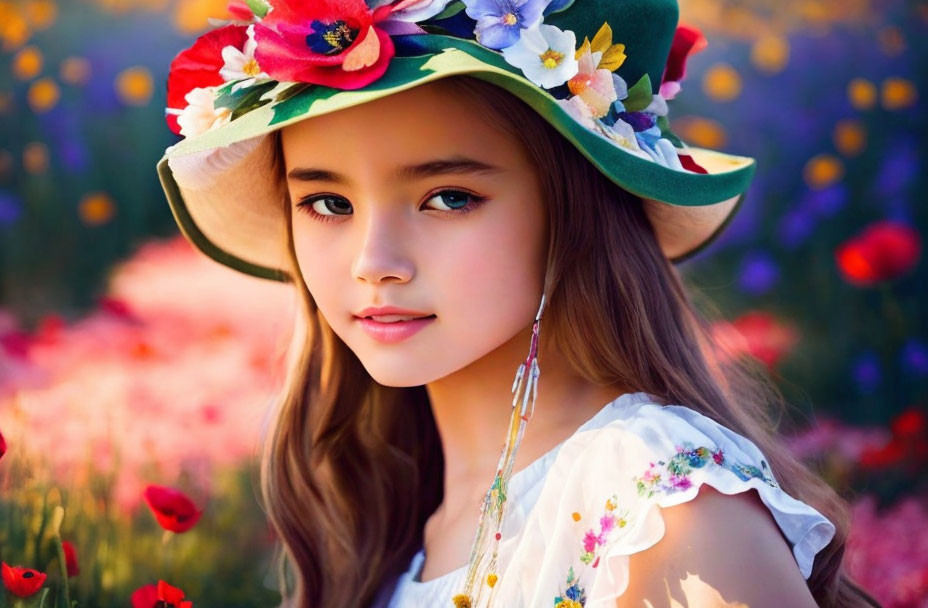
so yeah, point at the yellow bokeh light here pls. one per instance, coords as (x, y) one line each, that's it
(43, 94)
(27, 63)
(770, 54)
(96, 208)
(722, 82)
(14, 29)
(898, 93)
(823, 170)
(700, 132)
(35, 157)
(192, 16)
(850, 137)
(41, 13)
(75, 70)
(861, 93)
(135, 86)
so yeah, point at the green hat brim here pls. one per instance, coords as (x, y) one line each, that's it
(728, 178)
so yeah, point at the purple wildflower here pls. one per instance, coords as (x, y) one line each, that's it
(499, 22)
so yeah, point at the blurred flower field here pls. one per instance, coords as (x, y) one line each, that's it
(155, 394)
(135, 376)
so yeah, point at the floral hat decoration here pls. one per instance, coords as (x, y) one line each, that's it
(600, 72)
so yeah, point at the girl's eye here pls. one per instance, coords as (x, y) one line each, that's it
(327, 207)
(455, 201)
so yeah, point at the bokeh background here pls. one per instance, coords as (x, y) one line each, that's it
(135, 373)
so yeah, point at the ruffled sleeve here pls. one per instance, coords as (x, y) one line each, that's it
(598, 504)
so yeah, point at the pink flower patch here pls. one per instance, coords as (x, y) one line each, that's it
(679, 482)
(589, 541)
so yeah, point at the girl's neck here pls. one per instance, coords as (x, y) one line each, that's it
(472, 409)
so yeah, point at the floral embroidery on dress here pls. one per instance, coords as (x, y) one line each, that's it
(608, 522)
(689, 457)
(575, 595)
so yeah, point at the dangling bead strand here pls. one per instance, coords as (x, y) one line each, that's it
(482, 566)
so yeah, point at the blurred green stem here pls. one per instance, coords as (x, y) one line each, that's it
(893, 313)
(63, 567)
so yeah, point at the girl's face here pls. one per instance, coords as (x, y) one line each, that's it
(415, 201)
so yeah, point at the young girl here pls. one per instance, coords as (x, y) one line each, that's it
(449, 220)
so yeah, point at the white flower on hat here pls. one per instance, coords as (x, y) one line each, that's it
(201, 115)
(545, 54)
(242, 65)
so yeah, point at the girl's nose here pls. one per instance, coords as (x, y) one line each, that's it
(382, 253)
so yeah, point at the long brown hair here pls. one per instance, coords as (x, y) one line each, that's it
(352, 469)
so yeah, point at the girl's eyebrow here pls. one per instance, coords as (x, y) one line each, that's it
(453, 165)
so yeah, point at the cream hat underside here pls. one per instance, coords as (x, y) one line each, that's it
(237, 203)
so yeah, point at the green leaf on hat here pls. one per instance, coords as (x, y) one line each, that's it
(292, 91)
(244, 99)
(451, 10)
(401, 71)
(664, 125)
(258, 7)
(639, 96)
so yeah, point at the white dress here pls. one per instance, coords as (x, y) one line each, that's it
(576, 514)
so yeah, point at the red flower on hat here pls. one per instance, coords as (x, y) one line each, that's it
(885, 250)
(198, 66)
(686, 41)
(70, 558)
(172, 508)
(239, 9)
(22, 581)
(336, 43)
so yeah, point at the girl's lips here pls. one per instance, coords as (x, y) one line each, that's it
(397, 331)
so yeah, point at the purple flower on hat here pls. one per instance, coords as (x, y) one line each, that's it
(499, 22)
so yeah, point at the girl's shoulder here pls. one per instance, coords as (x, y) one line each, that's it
(599, 501)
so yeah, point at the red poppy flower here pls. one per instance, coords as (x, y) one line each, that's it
(888, 455)
(767, 338)
(145, 596)
(2, 445)
(172, 508)
(70, 558)
(909, 424)
(885, 250)
(198, 66)
(336, 43)
(22, 581)
(173, 596)
(686, 41)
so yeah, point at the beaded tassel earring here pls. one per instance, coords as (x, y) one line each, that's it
(482, 567)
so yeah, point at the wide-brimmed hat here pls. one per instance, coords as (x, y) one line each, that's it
(599, 72)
